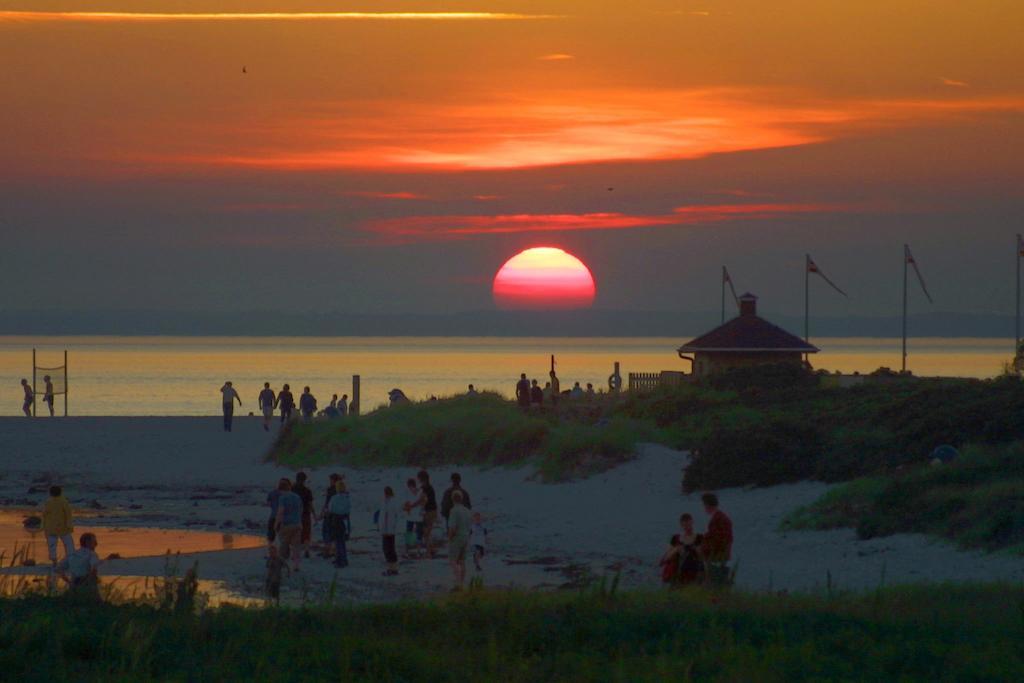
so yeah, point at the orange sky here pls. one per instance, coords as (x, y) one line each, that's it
(358, 122)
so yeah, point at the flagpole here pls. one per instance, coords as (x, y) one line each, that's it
(1016, 341)
(807, 298)
(905, 252)
(723, 295)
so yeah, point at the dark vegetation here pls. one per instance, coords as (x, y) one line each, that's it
(482, 430)
(940, 633)
(758, 427)
(766, 427)
(977, 501)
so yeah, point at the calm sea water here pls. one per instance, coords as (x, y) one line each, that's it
(183, 375)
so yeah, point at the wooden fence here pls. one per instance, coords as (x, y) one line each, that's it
(649, 381)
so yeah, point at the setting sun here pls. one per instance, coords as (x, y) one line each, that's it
(544, 278)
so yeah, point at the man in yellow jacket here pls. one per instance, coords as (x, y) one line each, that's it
(57, 523)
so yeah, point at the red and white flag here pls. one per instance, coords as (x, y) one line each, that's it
(812, 267)
(910, 261)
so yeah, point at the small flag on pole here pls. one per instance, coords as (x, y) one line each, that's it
(812, 267)
(726, 279)
(920, 279)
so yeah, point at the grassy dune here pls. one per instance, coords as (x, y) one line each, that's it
(976, 501)
(943, 633)
(482, 430)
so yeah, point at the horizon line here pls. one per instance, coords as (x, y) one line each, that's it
(16, 16)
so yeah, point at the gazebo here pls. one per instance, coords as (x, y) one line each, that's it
(743, 342)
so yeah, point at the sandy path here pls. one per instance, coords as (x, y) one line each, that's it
(186, 472)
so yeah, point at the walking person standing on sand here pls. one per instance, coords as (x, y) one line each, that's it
(446, 497)
(57, 523)
(325, 529)
(428, 501)
(340, 510)
(716, 546)
(388, 528)
(230, 396)
(286, 402)
(523, 392)
(48, 393)
(289, 523)
(302, 491)
(458, 538)
(267, 404)
(307, 405)
(30, 398)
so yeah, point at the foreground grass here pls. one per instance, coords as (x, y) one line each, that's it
(941, 633)
(977, 501)
(481, 430)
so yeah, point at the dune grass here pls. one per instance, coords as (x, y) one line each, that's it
(939, 633)
(480, 430)
(976, 501)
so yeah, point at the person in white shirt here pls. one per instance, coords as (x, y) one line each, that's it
(478, 540)
(80, 569)
(388, 527)
(230, 396)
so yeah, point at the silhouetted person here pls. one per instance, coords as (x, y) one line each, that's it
(48, 393)
(446, 497)
(332, 409)
(472, 391)
(30, 398)
(307, 405)
(716, 546)
(343, 405)
(286, 402)
(267, 404)
(555, 388)
(230, 396)
(590, 390)
(536, 394)
(577, 391)
(397, 396)
(523, 391)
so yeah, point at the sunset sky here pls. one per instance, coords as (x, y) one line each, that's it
(391, 156)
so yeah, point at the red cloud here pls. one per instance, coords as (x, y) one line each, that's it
(386, 195)
(417, 228)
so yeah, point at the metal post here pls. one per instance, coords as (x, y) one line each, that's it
(1016, 341)
(353, 407)
(65, 382)
(723, 295)
(33, 382)
(807, 298)
(904, 366)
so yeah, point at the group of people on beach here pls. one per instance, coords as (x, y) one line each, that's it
(30, 396)
(293, 515)
(283, 401)
(693, 558)
(529, 393)
(80, 567)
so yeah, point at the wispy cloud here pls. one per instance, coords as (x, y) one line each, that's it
(548, 129)
(407, 196)
(954, 83)
(556, 57)
(439, 228)
(150, 17)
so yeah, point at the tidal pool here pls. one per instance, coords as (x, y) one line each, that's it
(19, 543)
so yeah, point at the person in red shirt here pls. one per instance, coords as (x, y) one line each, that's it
(717, 542)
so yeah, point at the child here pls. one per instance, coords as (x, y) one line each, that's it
(57, 523)
(81, 568)
(670, 560)
(276, 565)
(478, 540)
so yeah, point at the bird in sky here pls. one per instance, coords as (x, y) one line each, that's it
(244, 70)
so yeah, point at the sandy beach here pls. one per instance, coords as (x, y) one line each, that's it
(185, 473)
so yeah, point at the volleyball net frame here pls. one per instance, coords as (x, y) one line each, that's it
(59, 377)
